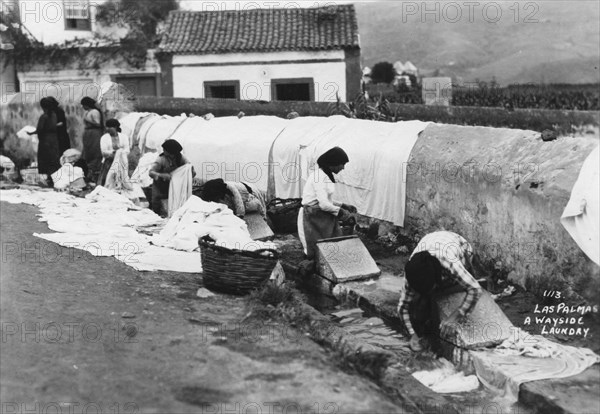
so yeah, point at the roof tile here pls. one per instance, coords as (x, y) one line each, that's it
(260, 30)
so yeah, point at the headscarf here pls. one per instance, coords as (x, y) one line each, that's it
(333, 157)
(53, 101)
(46, 104)
(172, 146)
(89, 102)
(70, 156)
(60, 113)
(113, 123)
(214, 190)
(423, 272)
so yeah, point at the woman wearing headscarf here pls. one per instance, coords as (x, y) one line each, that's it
(93, 124)
(110, 143)
(167, 162)
(240, 197)
(48, 155)
(319, 215)
(64, 143)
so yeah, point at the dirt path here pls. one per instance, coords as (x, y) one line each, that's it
(89, 334)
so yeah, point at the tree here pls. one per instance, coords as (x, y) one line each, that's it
(142, 18)
(383, 72)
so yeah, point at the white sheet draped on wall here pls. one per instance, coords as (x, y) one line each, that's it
(582, 213)
(276, 154)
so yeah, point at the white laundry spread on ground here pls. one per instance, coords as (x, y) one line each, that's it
(180, 188)
(198, 218)
(103, 224)
(65, 175)
(446, 379)
(523, 358)
(581, 217)
(118, 181)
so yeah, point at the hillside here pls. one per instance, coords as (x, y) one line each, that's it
(548, 41)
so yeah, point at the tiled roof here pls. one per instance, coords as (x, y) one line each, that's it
(260, 30)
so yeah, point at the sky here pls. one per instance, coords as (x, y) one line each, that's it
(214, 5)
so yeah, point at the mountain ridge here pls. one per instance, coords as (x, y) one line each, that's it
(532, 42)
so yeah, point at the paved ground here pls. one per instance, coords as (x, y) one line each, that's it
(87, 334)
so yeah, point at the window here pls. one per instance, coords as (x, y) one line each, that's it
(140, 85)
(299, 89)
(77, 15)
(222, 89)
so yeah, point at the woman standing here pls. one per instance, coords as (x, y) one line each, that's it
(48, 155)
(110, 143)
(64, 143)
(319, 215)
(92, 120)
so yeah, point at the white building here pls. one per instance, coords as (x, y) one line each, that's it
(71, 24)
(56, 21)
(309, 54)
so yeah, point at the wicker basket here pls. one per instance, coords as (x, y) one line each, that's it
(233, 271)
(284, 214)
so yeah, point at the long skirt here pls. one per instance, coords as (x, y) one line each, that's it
(64, 142)
(104, 169)
(315, 224)
(48, 156)
(92, 153)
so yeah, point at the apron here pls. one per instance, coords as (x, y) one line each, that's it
(315, 224)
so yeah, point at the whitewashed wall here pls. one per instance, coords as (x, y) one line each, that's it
(254, 71)
(73, 84)
(45, 19)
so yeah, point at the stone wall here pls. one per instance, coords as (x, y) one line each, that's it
(16, 116)
(533, 119)
(504, 190)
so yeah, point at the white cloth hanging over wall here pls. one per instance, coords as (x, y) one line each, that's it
(285, 174)
(160, 130)
(145, 128)
(230, 148)
(128, 124)
(582, 214)
(276, 154)
(375, 178)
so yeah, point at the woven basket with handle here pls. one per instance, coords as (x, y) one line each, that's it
(284, 214)
(234, 271)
